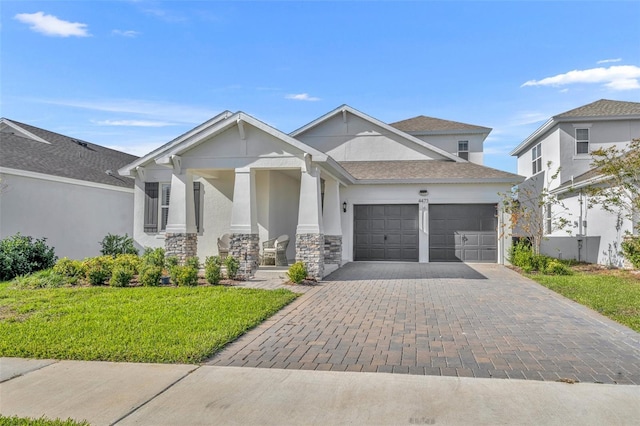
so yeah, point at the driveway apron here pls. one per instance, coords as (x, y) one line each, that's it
(448, 319)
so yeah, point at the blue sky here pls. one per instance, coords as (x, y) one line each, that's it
(135, 74)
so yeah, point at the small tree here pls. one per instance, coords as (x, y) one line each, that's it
(619, 190)
(532, 206)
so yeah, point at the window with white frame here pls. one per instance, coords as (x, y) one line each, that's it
(582, 141)
(157, 196)
(463, 150)
(548, 222)
(536, 159)
(165, 194)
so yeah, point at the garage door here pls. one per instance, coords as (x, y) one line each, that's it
(386, 232)
(463, 233)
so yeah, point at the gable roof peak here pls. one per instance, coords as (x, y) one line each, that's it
(344, 108)
(423, 123)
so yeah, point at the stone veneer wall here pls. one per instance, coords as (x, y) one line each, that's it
(245, 248)
(333, 249)
(181, 246)
(310, 251)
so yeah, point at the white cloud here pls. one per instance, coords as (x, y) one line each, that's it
(302, 97)
(620, 77)
(608, 61)
(125, 33)
(52, 26)
(145, 110)
(133, 123)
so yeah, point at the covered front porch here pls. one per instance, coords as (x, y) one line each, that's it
(254, 205)
(240, 177)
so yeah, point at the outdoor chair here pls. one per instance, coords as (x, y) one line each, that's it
(275, 249)
(223, 245)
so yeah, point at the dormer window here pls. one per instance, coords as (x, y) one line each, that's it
(536, 159)
(582, 141)
(463, 150)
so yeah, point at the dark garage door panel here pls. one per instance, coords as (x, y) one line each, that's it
(463, 232)
(386, 232)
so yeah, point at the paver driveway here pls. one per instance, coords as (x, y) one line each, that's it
(480, 320)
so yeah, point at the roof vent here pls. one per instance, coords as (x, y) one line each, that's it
(79, 142)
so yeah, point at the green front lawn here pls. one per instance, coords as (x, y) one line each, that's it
(615, 294)
(141, 324)
(42, 421)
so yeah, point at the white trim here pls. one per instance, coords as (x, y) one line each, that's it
(577, 127)
(25, 133)
(385, 126)
(127, 170)
(443, 180)
(60, 179)
(593, 181)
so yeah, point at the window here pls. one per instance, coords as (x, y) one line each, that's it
(165, 190)
(547, 219)
(536, 159)
(156, 205)
(463, 150)
(582, 141)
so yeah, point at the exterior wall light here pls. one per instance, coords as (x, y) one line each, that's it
(344, 207)
(423, 192)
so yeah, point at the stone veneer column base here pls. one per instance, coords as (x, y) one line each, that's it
(245, 248)
(310, 251)
(181, 246)
(333, 249)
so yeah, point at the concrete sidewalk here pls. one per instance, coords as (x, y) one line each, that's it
(106, 393)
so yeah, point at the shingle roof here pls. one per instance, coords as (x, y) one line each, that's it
(425, 170)
(63, 156)
(578, 180)
(603, 108)
(423, 123)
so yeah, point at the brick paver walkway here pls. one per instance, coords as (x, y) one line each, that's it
(479, 320)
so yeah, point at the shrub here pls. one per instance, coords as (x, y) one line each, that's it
(213, 269)
(20, 255)
(170, 264)
(522, 255)
(171, 261)
(98, 269)
(113, 245)
(184, 276)
(125, 266)
(130, 261)
(121, 276)
(232, 265)
(46, 278)
(539, 262)
(193, 261)
(150, 275)
(153, 256)
(297, 272)
(631, 250)
(555, 267)
(73, 270)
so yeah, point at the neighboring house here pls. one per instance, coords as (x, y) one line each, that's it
(345, 187)
(566, 141)
(63, 189)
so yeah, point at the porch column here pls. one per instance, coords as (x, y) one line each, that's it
(310, 232)
(181, 238)
(332, 214)
(244, 244)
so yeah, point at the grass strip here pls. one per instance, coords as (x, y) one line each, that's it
(164, 324)
(615, 295)
(42, 421)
